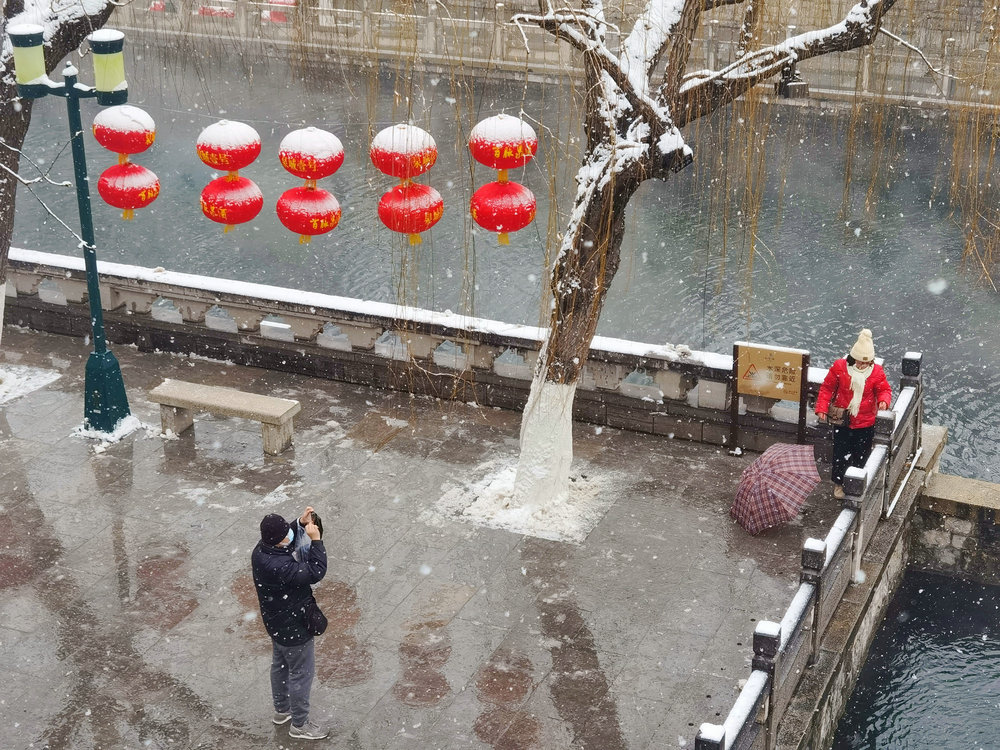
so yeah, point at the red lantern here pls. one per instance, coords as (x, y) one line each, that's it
(128, 186)
(228, 146)
(503, 207)
(403, 151)
(308, 212)
(311, 153)
(125, 130)
(411, 209)
(503, 142)
(231, 201)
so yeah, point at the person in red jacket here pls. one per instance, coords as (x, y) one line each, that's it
(853, 392)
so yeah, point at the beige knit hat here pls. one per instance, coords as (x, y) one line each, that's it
(863, 349)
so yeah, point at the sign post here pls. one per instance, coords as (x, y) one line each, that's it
(771, 372)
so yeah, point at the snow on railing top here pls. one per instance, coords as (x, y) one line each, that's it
(369, 308)
(745, 702)
(837, 533)
(795, 613)
(902, 404)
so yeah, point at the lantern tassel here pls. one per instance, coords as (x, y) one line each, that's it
(228, 229)
(504, 238)
(304, 239)
(233, 176)
(501, 176)
(415, 239)
(122, 159)
(128, 214)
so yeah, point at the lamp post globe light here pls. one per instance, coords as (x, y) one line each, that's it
(105, 402)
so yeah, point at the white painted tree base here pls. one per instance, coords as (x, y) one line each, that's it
(3, 304)
(542, 479)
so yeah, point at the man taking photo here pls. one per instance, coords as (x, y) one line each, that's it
(284, 588)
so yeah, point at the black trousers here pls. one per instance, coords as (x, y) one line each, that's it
(850, 448)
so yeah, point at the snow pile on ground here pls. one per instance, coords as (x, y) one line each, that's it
(487, 502)
(19, 380)
(124, 428)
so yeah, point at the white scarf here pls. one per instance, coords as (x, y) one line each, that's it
(858, 378)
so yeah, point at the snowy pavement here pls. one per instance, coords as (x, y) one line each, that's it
(128, 617)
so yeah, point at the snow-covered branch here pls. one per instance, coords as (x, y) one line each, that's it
(703, 92)
(919, 52)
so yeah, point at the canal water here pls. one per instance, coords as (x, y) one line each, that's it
(932, 679)
(890, 261)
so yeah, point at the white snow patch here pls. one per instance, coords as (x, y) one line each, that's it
(487, 502)
(393, 422)
(20, 380)
(937, 286)
(125, 427)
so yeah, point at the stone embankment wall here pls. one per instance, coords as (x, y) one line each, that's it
(956, 529)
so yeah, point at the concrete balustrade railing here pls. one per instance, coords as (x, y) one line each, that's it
(782, 651)
(662, 389)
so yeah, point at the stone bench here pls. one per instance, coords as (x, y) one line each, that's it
(179, 400)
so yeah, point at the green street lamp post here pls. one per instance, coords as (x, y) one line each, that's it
(105, 402)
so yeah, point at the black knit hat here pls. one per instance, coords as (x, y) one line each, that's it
(273, 529)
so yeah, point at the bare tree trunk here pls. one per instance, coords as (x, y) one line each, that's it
(14, 118)
(580, 281)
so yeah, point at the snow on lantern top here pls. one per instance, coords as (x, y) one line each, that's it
(228, 145)
(124, 129)
(311, 153)
(403, 151)
(503, 142)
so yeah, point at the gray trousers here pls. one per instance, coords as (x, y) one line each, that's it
(292, 669)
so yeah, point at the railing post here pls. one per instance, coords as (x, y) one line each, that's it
(855, 489)
(813, 562)
(710, 737)
(913, 377)
(766, 642)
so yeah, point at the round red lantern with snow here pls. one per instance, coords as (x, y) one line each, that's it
(503, 207)
(503, 142)
(125, 130)
(411, 209)
(231, 201)
(403, 151)
(228, 145)
(128, 187)
(311, 153)
(308, 212)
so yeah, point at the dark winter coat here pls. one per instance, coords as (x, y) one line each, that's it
(837, 387)
(284, 587)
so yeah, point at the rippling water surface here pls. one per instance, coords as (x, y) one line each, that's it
(932, 679)
(818, 275)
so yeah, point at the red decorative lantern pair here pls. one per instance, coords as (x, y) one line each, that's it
(126, 130)
(312, 154)
(231, 199)
(503, 142)
(406, 151)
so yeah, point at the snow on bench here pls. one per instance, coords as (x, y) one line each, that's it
(179, 399)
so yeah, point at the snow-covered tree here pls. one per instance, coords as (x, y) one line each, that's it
(66, 25)
(639, 97)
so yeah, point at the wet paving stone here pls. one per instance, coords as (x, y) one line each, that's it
(129, 618)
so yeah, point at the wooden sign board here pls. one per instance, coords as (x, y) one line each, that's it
(770, 371)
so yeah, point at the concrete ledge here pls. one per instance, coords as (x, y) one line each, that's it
(944, 490)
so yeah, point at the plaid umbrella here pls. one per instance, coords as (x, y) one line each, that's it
(774, 487)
